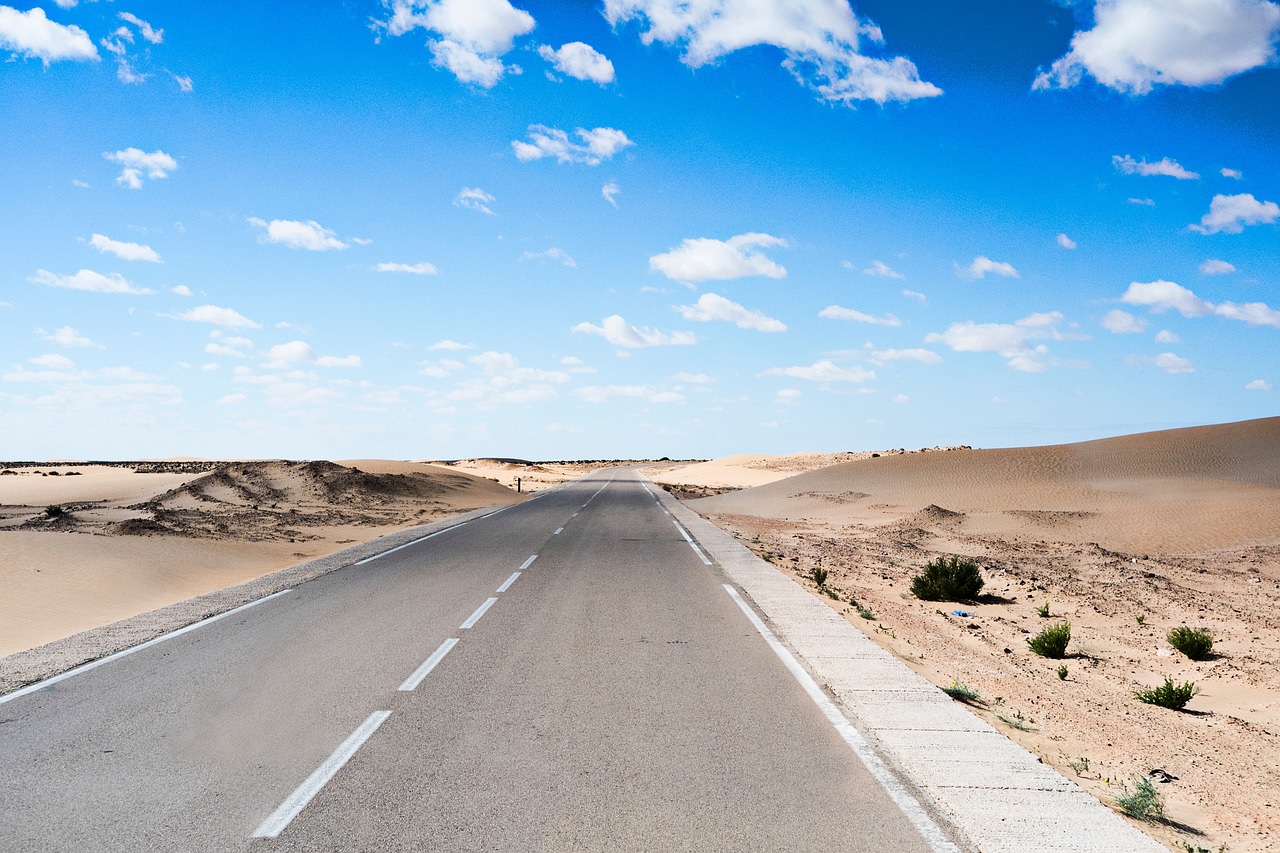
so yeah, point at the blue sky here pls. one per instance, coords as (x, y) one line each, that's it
(448, 228)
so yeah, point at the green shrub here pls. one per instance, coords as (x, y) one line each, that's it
(1169, 695)
(1062, 672)
(1143, 802)
(1052, 641)
(1195, 643)
(946, 579)
(819, 576)
(53, 511)
(865, 613)
(1043, 610)
(962, 692)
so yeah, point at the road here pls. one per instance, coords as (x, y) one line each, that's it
(568, 674)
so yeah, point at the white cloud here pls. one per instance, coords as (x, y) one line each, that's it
(901, 398)
(439, 369)
(787, 396)
(1122, 322)
(219, 317)
(823, 371)
(184, 83)
(821, 40)
(1137, 44)
(610, 192)
(1259, 385)
(232, 399)
(1234, 174)
(982, 265)
(448, 345)
(608, 393)
(1011, 341)
(924, 356)
(1213, 266)
(1143, 202)
(300, 352)
(692, 378)
(1230, 213)
(598, 145)
(1166, 167)
(125, 251)
(1066, 242)
(53, 362)
(149, 33)
(712, 306)
(33, 35)
(233, 347)
(579, 60)
(880, 268)
(704, 259)
(422, 268)
(474, 198)
(620, 333)
(310, 235)
(181, 290)
(917, 296)
(472, 34)
(552, 254)
(136, 162)
(1164, 336)
(1162, 296)
(1166, 361)
(68, 337)
(835, 312)
(88, 280)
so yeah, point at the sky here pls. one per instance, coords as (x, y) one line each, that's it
(586, 229)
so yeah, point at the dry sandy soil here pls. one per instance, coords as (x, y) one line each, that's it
(1123, 538)
(134, 537)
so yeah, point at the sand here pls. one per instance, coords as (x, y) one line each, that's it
(1125, 538)
(128, 542)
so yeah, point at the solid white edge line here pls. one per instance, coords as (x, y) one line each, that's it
(303, 794)
(475, 617)
(506, 585)
(875, 765)
(689, 539)
(49, 682)
(429, 664)
(382, 554)
(529, 562)
(559, 530)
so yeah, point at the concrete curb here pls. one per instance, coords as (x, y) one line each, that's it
(27, 667)
(994, 793)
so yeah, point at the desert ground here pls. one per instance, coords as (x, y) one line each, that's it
(1123, 538)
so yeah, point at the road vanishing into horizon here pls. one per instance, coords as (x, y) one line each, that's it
(570, 673)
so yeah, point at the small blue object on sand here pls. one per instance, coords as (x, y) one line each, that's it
(964, 613)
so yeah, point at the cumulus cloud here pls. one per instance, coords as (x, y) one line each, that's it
(705, 259)
(125, 251)
(474, 198)
(68, 337)
(1162, 296)
(136, 163)
(1164, 336)
(1066, 242)
(181, 290)
(1137, 44)
(1166, 167)
(300, 352)
(422, 268)
(915, 295)
(560, 256)
(820, 39)
(610, 192)
(712, 306)
(579, 60)
(88, 280)
(1259, 385)
(924, 356)
(1234, 174)
(1230, 213)
(1122, 322)
(1011, 341)
(982, 265)
(31, 34)
(823, 371)
(883, 270)
(310, 235)
(448, 345)
(608, 393)
(1166, 361)
(469, 36)
(1213, 266)
(597, 145)
(219, 317)
(692, 378)
(148, 32)
(620, 333)
(835, 312)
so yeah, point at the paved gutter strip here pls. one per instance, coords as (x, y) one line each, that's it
(998, 795)
(27, 667)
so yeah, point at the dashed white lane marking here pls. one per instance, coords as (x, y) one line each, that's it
(429, 664)
(506, 585)
(416, 541)
(903, 798)
(303, 794)
(692, 544)
(480, 611)
(559, 530)
(529, 562)
(575, 515)
(49, 682)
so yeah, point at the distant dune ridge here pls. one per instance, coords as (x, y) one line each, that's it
(1197, 488)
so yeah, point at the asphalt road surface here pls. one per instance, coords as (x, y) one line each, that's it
(566, 674)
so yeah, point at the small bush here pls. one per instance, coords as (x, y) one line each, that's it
(1052, 641)
(1080, 765)
(1143, 802)
(946, 579)
(1043, 610)
(962, 692)
(1169, 695)
(1142, 619)
(1195, 643)
(865, 613)
(819, 575)
(53, 511)
(1062, 672)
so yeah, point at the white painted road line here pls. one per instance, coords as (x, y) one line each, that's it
(49, 682)
(303, 794)
(903, 798)
(692, 544)
(559, 530)
(506, 585)
(480, 611)
(529, 562)
(429, 664)
(415, 542)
